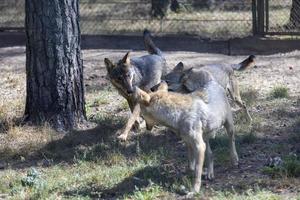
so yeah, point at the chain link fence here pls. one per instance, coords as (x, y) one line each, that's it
(220, 19)
(12, 14)
(214, 19)
(283, 16)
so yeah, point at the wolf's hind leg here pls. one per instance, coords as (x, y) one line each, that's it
(230, 131)
(234, 93)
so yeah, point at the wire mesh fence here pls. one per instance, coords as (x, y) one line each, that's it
(12, 14)
(283, 16)
(219, 20)
(215, 19)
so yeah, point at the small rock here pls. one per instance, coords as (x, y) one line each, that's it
(274, 162)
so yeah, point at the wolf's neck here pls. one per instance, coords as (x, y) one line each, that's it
(138, 76)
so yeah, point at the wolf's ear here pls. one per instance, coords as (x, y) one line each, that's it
(188, 71)
(109, 65)
(126, 58)
(186, 75)
(179, 67)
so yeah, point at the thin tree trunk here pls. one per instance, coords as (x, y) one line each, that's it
(55, 90)
(295, 15)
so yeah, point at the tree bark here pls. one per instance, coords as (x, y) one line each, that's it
(175, 6)
(295, 15)
(159, 8)
(54, 69)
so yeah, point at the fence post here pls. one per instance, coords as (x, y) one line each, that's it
(254, 17)
(267, 15)
(261, 17)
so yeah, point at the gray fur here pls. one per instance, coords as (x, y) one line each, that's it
(194, 123)
(148, 69)
(189, 80)
(144, 72)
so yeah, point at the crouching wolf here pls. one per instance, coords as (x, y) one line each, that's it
(144, 72)
(195, 117)
(188, 80)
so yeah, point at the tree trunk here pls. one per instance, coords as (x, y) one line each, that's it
(295, 15)
(175, 6)
(55, 90)
(159, 8)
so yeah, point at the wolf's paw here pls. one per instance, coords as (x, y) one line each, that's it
(190, 195)
(235, 163)
(210, 176)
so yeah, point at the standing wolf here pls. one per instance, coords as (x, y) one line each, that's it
(188, 80)
(195, 117)
(144, 72)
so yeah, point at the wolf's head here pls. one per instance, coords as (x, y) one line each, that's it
(175, 77)
(121, 74)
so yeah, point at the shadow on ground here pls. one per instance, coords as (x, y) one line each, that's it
(100, 142)
(95, 144)
(140, 179)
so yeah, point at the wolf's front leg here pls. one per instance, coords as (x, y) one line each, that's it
(133, 117)
(247, 112)
(198, 146)
(132, 104)
(191, 158)
(210, 161)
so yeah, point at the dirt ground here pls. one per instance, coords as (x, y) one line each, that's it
(276, 123)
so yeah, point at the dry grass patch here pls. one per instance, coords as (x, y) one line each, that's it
(250, 96)
(24, 140)
(9, 113)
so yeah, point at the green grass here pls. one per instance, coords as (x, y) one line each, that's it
(76, 180)
(101, 98)
(250, 96)
(124, 105)
(289, 168)
(220, 146)
(149, 193)
(106, 169)
(248, 195)
(279, 92)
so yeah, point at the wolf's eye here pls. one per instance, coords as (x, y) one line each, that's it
(119, 78)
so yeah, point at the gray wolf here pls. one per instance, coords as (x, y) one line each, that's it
(195, 117)
(188, 80)
(144, 72)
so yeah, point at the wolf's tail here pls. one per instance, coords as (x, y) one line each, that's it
(244, 64)
(149, 44)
